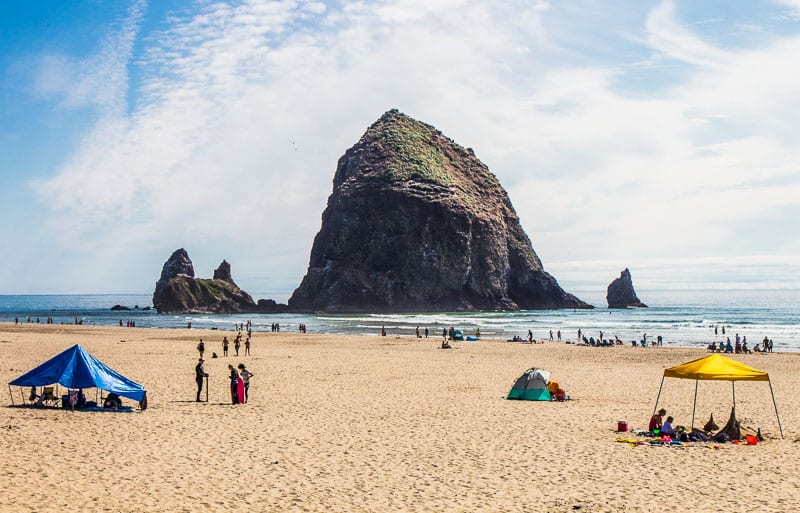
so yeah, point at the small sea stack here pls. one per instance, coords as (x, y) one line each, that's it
(179, 291)
(417, 223)
(620, 292)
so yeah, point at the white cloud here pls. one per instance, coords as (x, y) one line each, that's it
(245, 109)
(100, 80)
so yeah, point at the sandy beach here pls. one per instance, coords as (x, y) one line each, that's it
(363, 423)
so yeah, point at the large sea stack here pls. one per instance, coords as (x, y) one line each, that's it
(620, 292)
(178, 291)
(417, 223)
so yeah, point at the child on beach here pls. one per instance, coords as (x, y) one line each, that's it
(656, 420)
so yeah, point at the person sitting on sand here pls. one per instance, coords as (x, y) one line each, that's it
(33, 396)
(112, 402)
(667, 429)
(712, 347)
(656, 420)
(446, 344)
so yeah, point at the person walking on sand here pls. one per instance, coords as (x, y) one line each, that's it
(234, 384)
(201, 347)
(199, 374)
(246, 375)
(225, 345)
(247, 348)
(237, 344)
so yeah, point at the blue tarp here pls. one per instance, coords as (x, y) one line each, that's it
(76, 368)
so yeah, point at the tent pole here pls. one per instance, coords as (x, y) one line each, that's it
(11, 394)
(776, 407)
(733, 384)
(694, 406)
(659, 395)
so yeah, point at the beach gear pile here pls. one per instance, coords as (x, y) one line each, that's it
(535, 385)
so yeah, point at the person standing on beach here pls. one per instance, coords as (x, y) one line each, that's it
(247, 348)
(234, 384)
(201, 348)
(551, 335)
(426, 332)
(246, 375)
(579, 335)
(225, 345)
(237, 344)
(199, 374)
(559, 335)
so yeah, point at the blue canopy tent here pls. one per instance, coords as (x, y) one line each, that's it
(76, 368)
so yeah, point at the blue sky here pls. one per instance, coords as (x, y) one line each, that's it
(658, 136)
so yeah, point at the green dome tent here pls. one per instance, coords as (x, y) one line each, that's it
(531, 386)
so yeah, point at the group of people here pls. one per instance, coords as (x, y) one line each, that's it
(740, 346)
(659, 426)
(237, 344)
(602, 341)
(237, 375)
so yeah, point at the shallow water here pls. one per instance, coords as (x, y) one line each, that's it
(683, 318)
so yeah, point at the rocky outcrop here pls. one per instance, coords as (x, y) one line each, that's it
(417, 223)
(178, 291)
(621, 294)
(223, 272)
(270, 306)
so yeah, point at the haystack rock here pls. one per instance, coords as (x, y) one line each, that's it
(417, 223)
(621, 294)
(178, 291)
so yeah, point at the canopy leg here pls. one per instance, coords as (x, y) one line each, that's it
(659, 395)
(733, 384)
(11, 393)
(694, 406)
(776, 408)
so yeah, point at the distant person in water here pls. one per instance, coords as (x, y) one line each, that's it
(383, 331)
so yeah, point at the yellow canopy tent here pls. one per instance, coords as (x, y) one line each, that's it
(718, 368)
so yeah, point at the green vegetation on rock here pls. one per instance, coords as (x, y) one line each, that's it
(413, 155)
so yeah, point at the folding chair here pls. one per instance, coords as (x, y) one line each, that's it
(49, 397)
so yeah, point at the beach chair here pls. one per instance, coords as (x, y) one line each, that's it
(49, 397)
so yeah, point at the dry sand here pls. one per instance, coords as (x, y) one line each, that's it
(362, 423)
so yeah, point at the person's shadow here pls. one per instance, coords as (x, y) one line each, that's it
(200, 402)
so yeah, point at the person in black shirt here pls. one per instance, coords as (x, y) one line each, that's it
(199, 374)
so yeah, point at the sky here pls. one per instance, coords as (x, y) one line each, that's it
(655, 135)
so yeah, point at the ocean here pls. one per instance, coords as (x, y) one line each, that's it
(683, 318)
